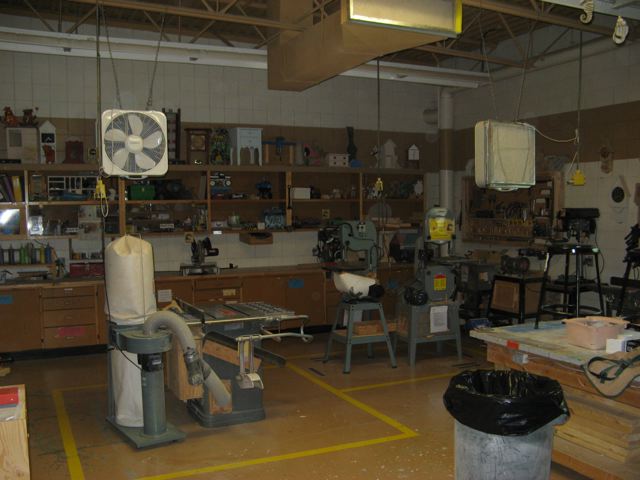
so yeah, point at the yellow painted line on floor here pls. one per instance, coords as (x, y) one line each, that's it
(69, 443)
(356, 403)
(75, 467)
(278, 458)
(406, 432)
(398, 382)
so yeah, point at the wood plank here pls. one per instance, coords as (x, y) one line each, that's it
(603, 447)
(584, 461)
(14, 442)
(565, 374)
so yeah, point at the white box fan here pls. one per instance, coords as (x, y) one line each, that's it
(505, 155)
(134, 143)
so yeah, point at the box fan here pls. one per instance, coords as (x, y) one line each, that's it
(505, 155)
(134, 143)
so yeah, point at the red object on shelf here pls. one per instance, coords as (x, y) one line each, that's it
(86, 269)
(9, 396)
(513, 345)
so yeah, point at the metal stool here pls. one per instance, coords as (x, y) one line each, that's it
(570, 306)
(347, 336)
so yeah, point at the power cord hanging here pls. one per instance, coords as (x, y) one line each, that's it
(113, 64)
(486, 61)
(155, 65)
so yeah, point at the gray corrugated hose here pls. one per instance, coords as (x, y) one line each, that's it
(199, 371)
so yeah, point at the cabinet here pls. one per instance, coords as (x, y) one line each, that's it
(217, 290)
(181, 289)
(69, 316)
(521, 216)
(304, 294)
(269, 289)
(19, 320)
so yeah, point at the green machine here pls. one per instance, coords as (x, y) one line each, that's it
(428, 311)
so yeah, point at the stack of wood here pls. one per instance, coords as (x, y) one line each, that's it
(372, 327)
(605, 426)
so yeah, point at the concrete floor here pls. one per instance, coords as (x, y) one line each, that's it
(376, 423)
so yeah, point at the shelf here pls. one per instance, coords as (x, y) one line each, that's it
(165, 202)
(68, 203)
(48, 167)
(93, 168)
(247, 201)
(325, 200)
(397, 200)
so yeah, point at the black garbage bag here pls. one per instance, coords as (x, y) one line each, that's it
(504, 402)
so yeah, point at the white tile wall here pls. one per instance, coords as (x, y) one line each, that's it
(66, 87)
(608, 78)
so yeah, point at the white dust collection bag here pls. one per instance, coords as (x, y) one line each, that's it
(130, 300)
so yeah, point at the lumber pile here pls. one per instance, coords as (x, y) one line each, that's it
(602, 425)
(371, 327)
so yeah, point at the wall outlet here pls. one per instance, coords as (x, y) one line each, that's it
(326, 214)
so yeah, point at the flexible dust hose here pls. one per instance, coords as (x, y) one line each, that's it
(198, 370)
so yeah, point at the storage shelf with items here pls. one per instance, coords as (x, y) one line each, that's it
(174, 203)
(61, 203)
(318, 198)
(198, 198)
(401, 202)
(521, 216)
(246, 199)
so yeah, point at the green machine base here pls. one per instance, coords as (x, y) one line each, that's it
(139, 439)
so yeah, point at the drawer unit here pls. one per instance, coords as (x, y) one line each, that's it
(69, 316)
(61, 318)
(71, 336)
(225, 290)
(58, 292)
(68, 303)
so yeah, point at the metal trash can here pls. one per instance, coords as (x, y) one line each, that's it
(504, 424)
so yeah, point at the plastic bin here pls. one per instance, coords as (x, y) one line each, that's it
(592, 332)
(504, 424)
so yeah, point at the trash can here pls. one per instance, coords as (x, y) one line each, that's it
(504, 424)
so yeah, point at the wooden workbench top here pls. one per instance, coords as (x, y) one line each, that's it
(176, 276)
(548, 341)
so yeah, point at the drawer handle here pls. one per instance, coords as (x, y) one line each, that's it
(68, 317)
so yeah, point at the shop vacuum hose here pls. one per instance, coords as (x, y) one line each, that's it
(198, 370)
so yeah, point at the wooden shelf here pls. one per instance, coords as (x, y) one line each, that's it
(395, 200)
(165, 202)
(325, 200)
(247, 201)
(67, 203)
(93, 168)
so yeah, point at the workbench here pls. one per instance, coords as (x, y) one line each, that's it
(602, 438)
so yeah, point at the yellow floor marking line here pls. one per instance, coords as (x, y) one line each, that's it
(398, 382)
(75, 467)
(277, 458)
(406, 432)
(69, 443)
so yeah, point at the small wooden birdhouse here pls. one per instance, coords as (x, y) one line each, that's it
(47, 132)
(413, 155)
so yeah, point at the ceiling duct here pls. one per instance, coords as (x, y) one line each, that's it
(359, 32)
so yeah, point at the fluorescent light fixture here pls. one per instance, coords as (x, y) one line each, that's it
(73, 45)
(435, 17)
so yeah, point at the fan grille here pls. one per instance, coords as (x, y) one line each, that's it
(131, 164)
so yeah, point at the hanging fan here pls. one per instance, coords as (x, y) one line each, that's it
(134, 143)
